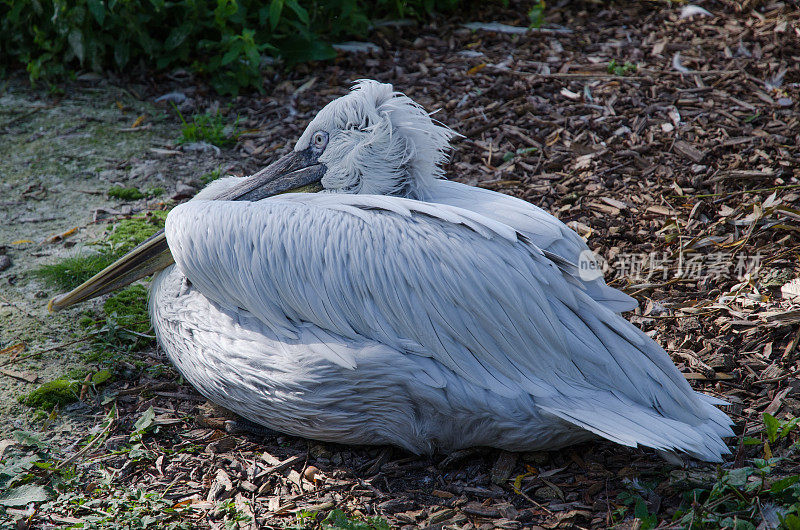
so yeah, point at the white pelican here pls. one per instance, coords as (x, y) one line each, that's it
(395, 307)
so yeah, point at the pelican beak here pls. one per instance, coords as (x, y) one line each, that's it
(148, 258)
(297, 171)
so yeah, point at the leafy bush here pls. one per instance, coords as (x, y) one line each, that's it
(223, 39)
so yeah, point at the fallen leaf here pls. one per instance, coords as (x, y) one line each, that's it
(475, 69)
(22, 495)
(789, 291)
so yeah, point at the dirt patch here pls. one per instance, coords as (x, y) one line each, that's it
(681, 172)
(61, 155)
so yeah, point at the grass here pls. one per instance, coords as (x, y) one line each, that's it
(32, 474)
(209, 128)
(211, 176)
(121, 237)
(122, 328)
(73, 271)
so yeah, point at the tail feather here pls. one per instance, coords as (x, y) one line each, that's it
(627, 423)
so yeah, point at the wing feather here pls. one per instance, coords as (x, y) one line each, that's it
(543, 229)
(438, 282)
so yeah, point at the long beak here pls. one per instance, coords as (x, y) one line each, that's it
(291, 172)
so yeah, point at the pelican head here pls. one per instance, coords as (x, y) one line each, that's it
(377, 141)
(373, 140)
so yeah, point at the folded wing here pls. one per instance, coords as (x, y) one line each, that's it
(447, 283)
(542, 228)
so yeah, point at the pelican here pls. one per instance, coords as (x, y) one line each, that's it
(393, 306)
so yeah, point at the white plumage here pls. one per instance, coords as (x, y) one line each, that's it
(399, 308)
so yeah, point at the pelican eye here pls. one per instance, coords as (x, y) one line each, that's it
(320, 139)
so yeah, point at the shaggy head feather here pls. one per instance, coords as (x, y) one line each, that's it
(379, 142)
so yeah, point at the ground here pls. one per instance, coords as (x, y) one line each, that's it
(669, 143)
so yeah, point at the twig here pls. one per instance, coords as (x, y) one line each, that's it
(648, 286)
(528, 498)
(145, 387)
(24, 115)
(585, 75)
(743, 192)
(32, 354)
(86, 447)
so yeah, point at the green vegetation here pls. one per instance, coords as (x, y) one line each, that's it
(125, 194)
(124, 325)
(211, 176)
(31, 473)
(126, 234)
(55, 393)
(736, 499)
(337, 520)
(19, 469)
(227, 41)
(208, 128)
(739, 496)
(123, 328)
(627, 68)
(133, 194)
(63, 391)
(73, 271)
(129, 306)
(633, 499)
(522, 151)
(758, 495)
(536, 14)
(122, 237)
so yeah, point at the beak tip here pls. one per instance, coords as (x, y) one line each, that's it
(54, 305)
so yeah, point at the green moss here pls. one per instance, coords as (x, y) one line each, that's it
(125, 194)
(128, 233)
(71, 272)
(103, 376)
(129, 308)
(65, 390)
(59, 392)
(77, 374)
